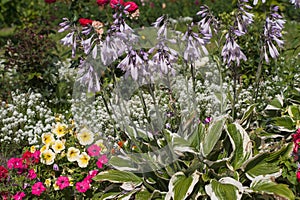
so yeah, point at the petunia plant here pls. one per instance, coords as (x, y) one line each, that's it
(62, 165)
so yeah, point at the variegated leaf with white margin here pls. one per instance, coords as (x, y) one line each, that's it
(180, 145)
(224, 189)
(213, 135)
(266, 185)
(180, 186)
(241, 144)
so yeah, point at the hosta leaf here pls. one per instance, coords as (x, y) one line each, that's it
(122, 163)
(181, 145)
(223, 191)
(116, 176)
(272, 188)
(108, 195)
(213, 135)
(180, 186)
(143, 194)
(284, 123)
(197, 137)
(241, 144)
(294, 112)
(247, 113)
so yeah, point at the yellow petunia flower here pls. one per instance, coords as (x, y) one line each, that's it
(47, 182)
(85, 137)
(83, 160)
(47, 157)
(60, 129)
(32, 149)
(58, 146)
(55, 186)
(47, 138)
(73, 154)
(101, 145)
(45, 147)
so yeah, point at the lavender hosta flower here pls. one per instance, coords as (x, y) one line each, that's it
(89, 77)
(87, 44)
(296, 3)
(272, 32)
(65, 25)
(256, 1)
(134, 64)
(163, 58)
(195, 47)
(231, 51)
(112, 47)
(70, 40)
(207, 21)
(243, 18)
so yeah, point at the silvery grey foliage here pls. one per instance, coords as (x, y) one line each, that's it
(25, 118)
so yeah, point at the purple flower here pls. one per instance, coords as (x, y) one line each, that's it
(243, 18)
(89, 77)
(296, 3)
(272, 34)
(65, 25)
(70, 40)
(207, 21)
(55, 167)
(231, 51)
(195, 47)
(255, 2)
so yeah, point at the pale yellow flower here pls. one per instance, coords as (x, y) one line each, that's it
(32, 149)
(58, 146)
(71, 180)
(73, 154)
(60, 129)
(83, 160)
(47, 138)
(45, 147)
(47, 157)
(85, 137)
(101, 145)
(47, 182)
(55, 186)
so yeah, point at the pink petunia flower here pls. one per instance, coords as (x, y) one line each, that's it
(38, 188)
(19, 196)
(102, 160)
(62, 182)
(94, 150)
(91, 175)
(102, 2)
(36, 156)
(31, 174)
(82, 186)
(114, 3)
(131, 6)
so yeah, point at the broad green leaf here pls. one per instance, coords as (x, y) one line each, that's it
(122, 163)
(247, 113)
(143, 194)
(275, 104)
(223, 191)
(284, 123)
(294, 112)
(272, 188)
(180, 186)
(285, 151)
(197, 137)
(213, 135)
(241, 144)
(180, 145)
(116, 176)
(107, 196)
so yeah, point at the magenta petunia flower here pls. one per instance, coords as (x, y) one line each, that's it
(82, 186)
(31, 174)
(19, 196)
(62, 182)
(94, 150)
(38, 188)
(102, 160)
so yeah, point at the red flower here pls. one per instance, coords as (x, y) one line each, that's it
(298, 176)
(85, 22)
(3, 173)
(102, 2)
(26, 157)
(114, 3)
(50, 1)
(131, 6)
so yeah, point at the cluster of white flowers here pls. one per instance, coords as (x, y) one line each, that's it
(25, 118)
(92, 114)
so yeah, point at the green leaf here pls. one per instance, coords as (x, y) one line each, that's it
(116, 176)
(197, 137)
(222, 191)
(122, 163)
(181, 145)
(143, 194)
(275, 104)
(180, 186)
(294, 112)
(284, 123)
(241, 144)
(247, 114)
(213, 135)
(272, 188)
(107, 195)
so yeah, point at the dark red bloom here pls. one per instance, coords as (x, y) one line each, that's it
(102, 2)
(50, 1)
(131, 6)
(26, 157)
(298, 176)
(3, 173)
(85, 22)
(114, 3)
